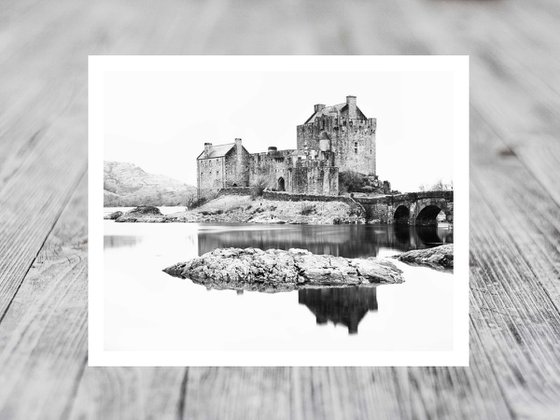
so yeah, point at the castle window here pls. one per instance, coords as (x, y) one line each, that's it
(356, 147)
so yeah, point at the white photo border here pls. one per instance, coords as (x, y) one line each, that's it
(458, 65)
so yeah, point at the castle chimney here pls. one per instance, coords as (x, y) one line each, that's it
(352, 109)
(318, 107)
(207, 148)
(272, 149)
(238, 144)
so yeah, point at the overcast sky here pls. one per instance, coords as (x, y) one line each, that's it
(160, 120)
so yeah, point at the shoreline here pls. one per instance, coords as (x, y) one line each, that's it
(244, 209)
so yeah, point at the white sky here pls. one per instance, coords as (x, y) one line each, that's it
(160, 120)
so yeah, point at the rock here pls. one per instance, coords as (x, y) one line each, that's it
(276, 270)
(141, 210)
(141, 214)
(113, 216)
(437, 257)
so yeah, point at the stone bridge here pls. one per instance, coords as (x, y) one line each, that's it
(421, 208)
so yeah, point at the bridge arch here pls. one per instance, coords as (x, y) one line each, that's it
(428, 215)
(402, 215)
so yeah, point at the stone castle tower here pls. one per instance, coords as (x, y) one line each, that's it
(344, 130)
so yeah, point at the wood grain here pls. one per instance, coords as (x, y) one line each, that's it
(43, 337)
(515, 208)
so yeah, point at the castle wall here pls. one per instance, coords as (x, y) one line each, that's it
(354, 147)
(272, 166)
(236, 191)
(210, 175)
(237, 168)
(313, 177)
(286, 196)
(353, 141)
(310, 134)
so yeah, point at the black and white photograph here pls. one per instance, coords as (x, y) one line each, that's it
(269, 206)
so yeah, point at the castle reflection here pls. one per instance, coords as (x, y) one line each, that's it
(350, 241)
(344, 305)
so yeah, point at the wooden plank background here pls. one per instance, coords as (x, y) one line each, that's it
(515, 207)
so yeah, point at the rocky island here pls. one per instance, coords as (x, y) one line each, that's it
(277, 270)
(436, 257)
(245, 209)
(138, 214)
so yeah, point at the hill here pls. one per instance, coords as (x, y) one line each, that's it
(125, 184)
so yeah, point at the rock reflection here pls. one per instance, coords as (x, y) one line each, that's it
(342, 305)
(121, 241)
(350, 241)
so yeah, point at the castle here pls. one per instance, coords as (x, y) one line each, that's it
(334, 139)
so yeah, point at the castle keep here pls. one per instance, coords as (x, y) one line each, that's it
(345, 131)
(334, 138)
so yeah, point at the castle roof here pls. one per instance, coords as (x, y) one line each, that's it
(333, 110)
(328, 110)
(217, 151)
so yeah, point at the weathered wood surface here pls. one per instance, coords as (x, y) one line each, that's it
(515, 207)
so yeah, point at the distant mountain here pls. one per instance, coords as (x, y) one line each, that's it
(125, 185)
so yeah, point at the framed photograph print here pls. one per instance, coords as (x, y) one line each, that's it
(278, 210)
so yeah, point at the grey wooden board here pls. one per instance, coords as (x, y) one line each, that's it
(515, 207)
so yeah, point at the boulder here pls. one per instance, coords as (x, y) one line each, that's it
(141, 210)
(113, 216)
(277, 270)
(142, 214)
(436, 257)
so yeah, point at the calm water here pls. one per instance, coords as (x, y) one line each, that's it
(146, 309)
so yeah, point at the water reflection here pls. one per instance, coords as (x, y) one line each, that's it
(114, 241)
(351, 241)
(136, 253)
(344, 305)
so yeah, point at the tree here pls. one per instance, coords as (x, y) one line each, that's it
(351, 181)
(438, 186)
(258, 186)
